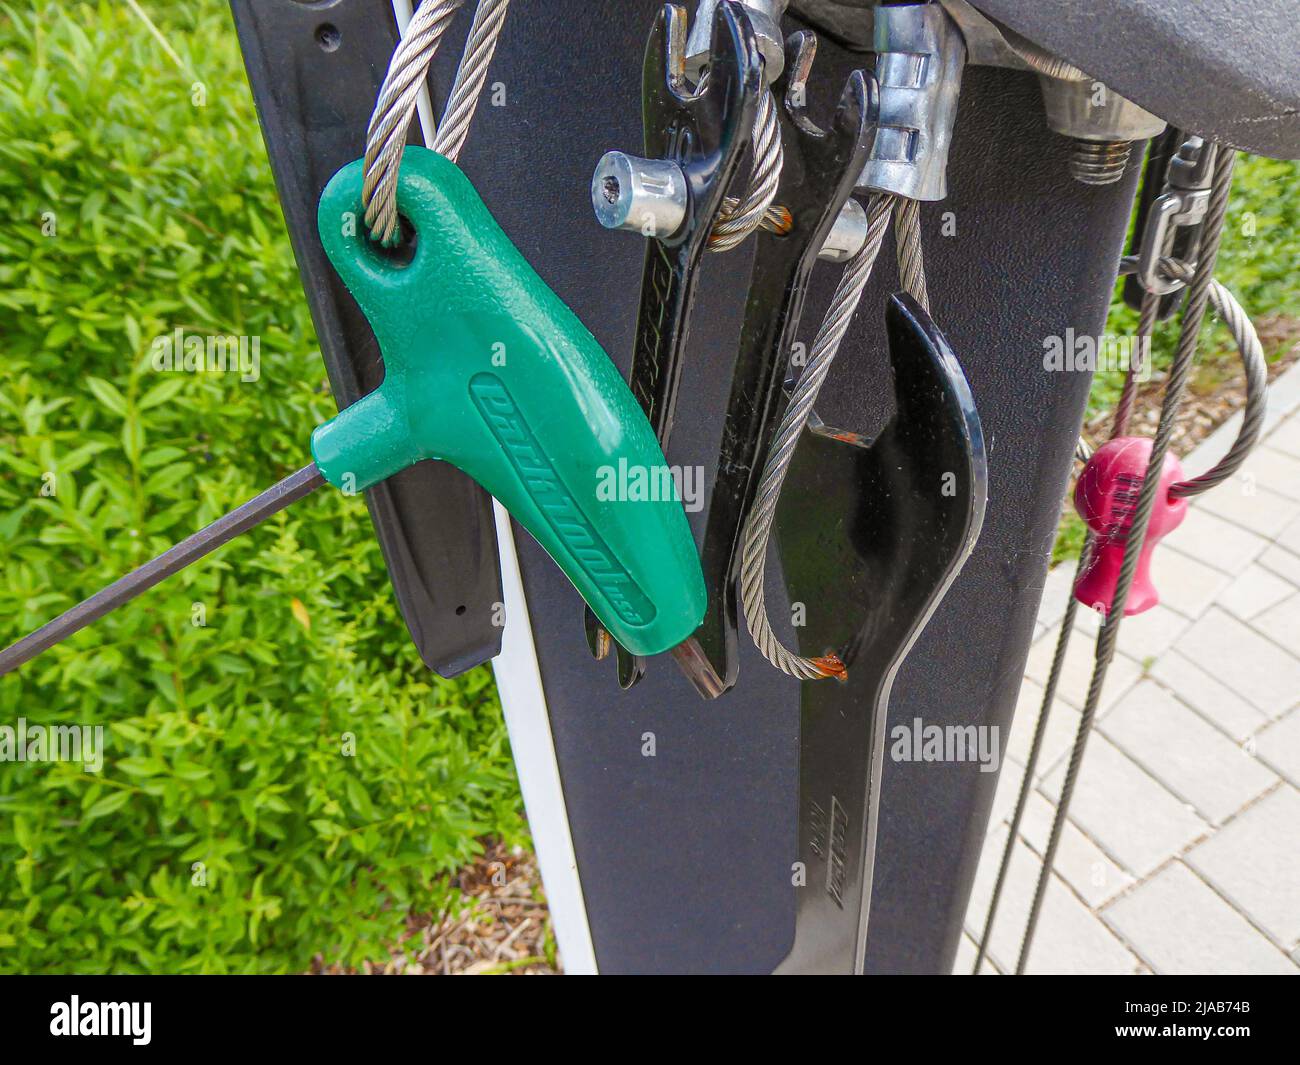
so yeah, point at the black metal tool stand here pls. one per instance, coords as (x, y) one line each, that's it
(685, 856)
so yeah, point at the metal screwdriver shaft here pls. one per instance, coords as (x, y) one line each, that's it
(173, 560)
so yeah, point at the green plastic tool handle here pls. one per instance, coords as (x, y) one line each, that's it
(486, 368)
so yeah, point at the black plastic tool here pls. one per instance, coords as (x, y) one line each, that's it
(315, 70)
(895, 519)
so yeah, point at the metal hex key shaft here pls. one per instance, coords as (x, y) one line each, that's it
(173, 560)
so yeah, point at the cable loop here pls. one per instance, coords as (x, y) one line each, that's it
(739, 218)
(758, 525)
(1253, 363)
(395, 105)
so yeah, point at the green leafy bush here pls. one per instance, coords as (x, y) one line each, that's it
(1257, 262)
(282, 775)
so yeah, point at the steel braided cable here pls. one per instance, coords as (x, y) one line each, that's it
(484, 32)
(739, 218)
(1255, 366)
(396, 102)
(758, 525)
(394, 108)
(1252, 356)
(1150, 307)
(1198, 295)
(911, 263)
(1082, 453)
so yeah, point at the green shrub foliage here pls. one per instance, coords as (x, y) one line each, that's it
(281, 775)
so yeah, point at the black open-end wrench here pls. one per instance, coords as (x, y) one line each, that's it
(819, 174)
(705, 133)
(873, 532)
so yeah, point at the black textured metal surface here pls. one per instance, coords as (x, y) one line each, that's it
(315, 71)
(818, 174)
(706, 134)
(686, 856)
(1229, 72)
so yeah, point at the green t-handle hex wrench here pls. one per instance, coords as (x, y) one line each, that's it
(485, 368)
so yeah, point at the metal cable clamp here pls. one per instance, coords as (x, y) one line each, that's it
(919, 58)
(1181, 205)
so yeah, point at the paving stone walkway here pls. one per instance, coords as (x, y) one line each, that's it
(1181, 853)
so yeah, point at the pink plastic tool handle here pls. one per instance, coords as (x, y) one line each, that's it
(1106, 498)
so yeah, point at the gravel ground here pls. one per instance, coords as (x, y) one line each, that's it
(500, 925)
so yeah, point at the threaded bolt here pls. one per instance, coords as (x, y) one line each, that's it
(1099, 162)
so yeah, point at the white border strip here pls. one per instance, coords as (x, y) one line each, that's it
(523, 702)
(402, 10)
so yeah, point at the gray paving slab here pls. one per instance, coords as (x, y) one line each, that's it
(1286, 564)
(1281, 624)
(1077, 669)
(1278, 746)
(1254, 591)
(1290, 537)
(1245, 661)
(1254, 862)
(1244, 504)
(1179, 925)
(1208, 695)
(1286, 437)
(1274, 470)
(1070, 937)
(1130, 814)
(1184, 584)
(1084, 866)
(1215, 541)
(1190, 757)
(1062, 724)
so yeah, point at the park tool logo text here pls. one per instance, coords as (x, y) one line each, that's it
(555, 501)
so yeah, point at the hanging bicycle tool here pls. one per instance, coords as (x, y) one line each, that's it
(676, 197)
(1131, 491)
(447, 294)
(820, 172)
(434, 524)
(908, 504)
